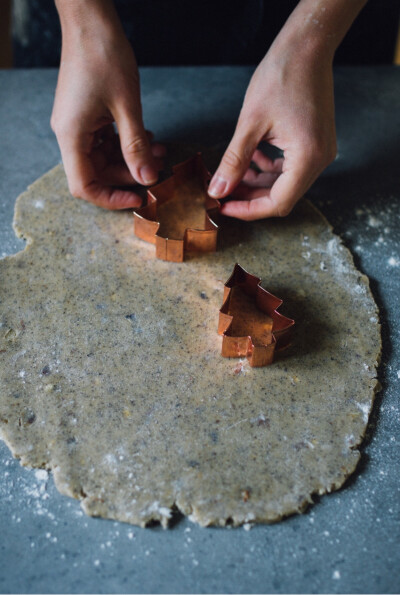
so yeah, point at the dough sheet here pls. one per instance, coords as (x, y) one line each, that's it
(111, 374)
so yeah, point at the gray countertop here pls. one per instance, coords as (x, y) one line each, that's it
(349, 541)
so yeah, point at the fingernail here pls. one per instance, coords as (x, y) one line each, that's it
(148, 174)
(217, 186)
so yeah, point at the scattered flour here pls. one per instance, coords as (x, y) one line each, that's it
(365, 408)
(242, 367)
(373, 221)
(42, 475)
(393, 262)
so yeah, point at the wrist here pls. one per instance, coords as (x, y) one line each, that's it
(299, 46)
(316, 28)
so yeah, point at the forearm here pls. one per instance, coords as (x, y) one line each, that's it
(318, 26)
(87, 19)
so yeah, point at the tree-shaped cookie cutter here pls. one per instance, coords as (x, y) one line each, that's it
(178, 214)
(249, 322)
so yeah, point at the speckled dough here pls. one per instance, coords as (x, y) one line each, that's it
(111, 373)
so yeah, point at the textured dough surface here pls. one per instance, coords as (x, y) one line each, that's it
(111, 374)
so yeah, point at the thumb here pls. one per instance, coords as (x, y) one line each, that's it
(235, 162)
(135, 147)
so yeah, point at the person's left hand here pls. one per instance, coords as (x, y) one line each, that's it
(289, 103)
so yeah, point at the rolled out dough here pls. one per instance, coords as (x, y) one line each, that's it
(111, 373)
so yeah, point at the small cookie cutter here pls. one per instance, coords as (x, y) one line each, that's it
(177, 217)
(249, 322)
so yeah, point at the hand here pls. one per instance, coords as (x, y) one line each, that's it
(289, 103)
(98, 84)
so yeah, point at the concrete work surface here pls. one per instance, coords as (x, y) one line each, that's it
(348, 541)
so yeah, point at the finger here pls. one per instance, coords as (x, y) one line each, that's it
(109, 153)
(276, 202)
(117, 174)
(158, 150)
(266, 164)
(108, 140)
(114, 199)
(263, 179)
(235, 161)
(160, 147)
(108, 132)
(135, 147)
(245, 192)
(254, 207)
(83, 182)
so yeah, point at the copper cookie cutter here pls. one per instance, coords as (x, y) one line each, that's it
(249, 322)
(178, 214)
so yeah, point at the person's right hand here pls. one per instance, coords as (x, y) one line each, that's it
(98, 84)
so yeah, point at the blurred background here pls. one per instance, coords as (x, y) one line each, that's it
(159, 29)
